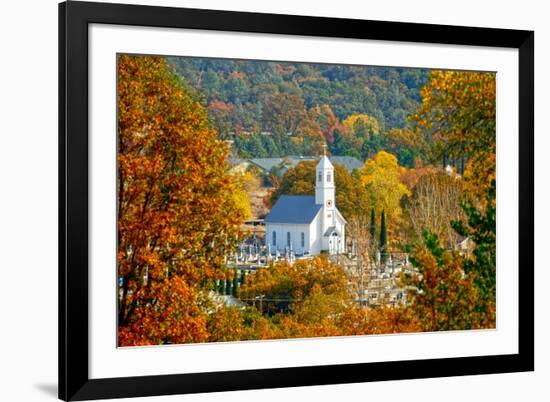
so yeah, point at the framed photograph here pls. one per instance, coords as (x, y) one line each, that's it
(257, 201)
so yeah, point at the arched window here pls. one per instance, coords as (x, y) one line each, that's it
(288, 239)
(274, 237)
(328, 177)
(303, 239)
(320, 177)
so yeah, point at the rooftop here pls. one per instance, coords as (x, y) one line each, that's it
(348, 162)
(298, 209)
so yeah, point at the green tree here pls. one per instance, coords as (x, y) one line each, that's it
(221, 286)
(372, 224)
(480, 227)
(227, 287)
(235, 284)
(383, 237)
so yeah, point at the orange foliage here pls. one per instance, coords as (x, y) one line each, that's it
(459, 110)
(175, 215)
(448, 298)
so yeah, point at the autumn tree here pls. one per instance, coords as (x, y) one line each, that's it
(381, 177)
(364, 132)
(328, 122)
(411, 176)
(436, 202)
(359, 229)
(406, 144)
(458, 117)
(447, 297)
(310, 134)
(176, 217)
(220, 113)
(282, 285)
(284, 111)
(242, 184)
(229, 324)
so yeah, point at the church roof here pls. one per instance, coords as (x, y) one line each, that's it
(300, 209)
(349, 162)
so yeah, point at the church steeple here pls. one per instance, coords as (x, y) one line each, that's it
(324, 183)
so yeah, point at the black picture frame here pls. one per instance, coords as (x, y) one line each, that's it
(74, 381)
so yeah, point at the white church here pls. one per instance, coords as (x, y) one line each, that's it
(307, 225)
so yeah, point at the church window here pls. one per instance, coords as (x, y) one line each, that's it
(328, 177)
(320, 177)
(288, 239)
(274, 236)
(303, 238)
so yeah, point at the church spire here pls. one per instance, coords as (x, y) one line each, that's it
(324, 182)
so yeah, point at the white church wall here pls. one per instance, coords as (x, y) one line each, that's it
(314, 231)
(295, 230)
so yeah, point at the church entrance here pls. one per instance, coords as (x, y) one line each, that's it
(333, 243)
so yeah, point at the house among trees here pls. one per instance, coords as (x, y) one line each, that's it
(267, 165)
(307, 225)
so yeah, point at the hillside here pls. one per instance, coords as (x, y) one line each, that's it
(272, 109)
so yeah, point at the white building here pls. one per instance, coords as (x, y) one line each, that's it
(307, 225)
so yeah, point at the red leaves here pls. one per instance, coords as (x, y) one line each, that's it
(173, 204)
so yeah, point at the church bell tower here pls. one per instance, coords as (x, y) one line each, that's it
(324, 184)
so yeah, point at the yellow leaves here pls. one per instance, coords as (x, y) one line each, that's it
(382, 178)
(478, 177)
(461, 99)
(448, 299)
(458, 116)
(296, 282)
(357, 122)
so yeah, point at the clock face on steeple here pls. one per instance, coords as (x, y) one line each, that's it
(329, 203)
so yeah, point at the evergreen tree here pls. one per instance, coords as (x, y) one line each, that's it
(227, 287)
(383, 238)
(242, 278)
(221, 286)
(235, 284)
(372, 225)
(480, 227)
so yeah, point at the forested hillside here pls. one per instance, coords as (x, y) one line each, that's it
(274, 109)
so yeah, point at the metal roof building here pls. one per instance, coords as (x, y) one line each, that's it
(297, 209)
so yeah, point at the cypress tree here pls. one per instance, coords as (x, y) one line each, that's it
(235, 283)
(221, 286)
(227, 287)
(372, 225)
(383, 237)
